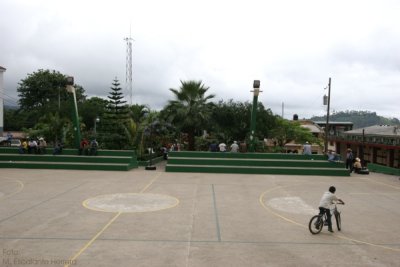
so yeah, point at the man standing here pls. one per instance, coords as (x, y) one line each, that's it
(307, 149)
(349, 160)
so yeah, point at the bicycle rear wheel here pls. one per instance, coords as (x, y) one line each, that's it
(315, 225)
(338, 221)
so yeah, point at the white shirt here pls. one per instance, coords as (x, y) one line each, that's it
(234, 147)
(327, 199)
(222, 147)
(307, 149)
(32, 143)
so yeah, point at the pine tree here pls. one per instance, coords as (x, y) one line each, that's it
(116, 106)
(117, 128)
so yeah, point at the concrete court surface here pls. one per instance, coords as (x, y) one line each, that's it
(154, 218)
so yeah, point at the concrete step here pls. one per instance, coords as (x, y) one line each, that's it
(257, 170)
(65, 165)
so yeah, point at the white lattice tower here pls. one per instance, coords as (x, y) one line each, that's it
(128, 72)
(2, 69)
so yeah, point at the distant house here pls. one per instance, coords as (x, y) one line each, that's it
(379, 144)
(317, 128)
(316, 131)
(336, 127)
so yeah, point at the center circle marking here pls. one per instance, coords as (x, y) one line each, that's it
(130, 202)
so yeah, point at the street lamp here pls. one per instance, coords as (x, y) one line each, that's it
(71, 89)
(256, 91)
(151, 167)
(148, 131)
(96, 120)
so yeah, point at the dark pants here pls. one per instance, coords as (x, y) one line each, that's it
(349, 164)
(328, 215)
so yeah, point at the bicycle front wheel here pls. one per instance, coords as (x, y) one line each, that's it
(338, 221)
(315, 225)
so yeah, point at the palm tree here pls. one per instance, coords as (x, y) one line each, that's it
(138, 112)
(190, 110)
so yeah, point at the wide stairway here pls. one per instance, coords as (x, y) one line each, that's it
(254, 163)
(108, 160)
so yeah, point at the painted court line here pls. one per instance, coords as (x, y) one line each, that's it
(151, 182)
(216, 214)
(341, 236)
(40, 203)
(88, 244)
(197, 241)
(21, 187)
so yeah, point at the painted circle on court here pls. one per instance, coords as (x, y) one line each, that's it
(131, 202)
(10, 187)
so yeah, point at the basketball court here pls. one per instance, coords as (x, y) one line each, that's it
(158, 218)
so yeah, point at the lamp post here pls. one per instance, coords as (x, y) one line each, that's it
(256, 91)
(149, 132)
(77, 131)
(96, 120)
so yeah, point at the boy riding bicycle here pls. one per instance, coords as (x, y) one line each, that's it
(328, 198)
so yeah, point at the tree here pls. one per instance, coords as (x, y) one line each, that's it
(44, 90)
(138, 112)
(15, 120)
(117, 129)
(288, 131)
(92, 108)
(154, 132)
(231, 120)
(50, 126)
(190, 110)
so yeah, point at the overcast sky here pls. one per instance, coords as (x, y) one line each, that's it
(292, 46)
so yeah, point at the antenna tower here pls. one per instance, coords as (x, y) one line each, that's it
(128, 71)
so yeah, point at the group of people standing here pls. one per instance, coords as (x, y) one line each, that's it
(353, 164)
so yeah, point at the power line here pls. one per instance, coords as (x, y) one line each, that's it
(9, 102)
(13, 102)
(11, 97)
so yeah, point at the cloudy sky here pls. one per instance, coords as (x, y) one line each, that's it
(292, 46)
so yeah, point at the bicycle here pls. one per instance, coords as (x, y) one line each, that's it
(317, 222)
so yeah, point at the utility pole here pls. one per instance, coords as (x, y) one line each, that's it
(327, 116)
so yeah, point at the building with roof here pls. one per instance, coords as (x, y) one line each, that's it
(378, 144)
(316, 131)
(317, 128)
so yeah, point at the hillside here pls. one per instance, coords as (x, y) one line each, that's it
(359, 118)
